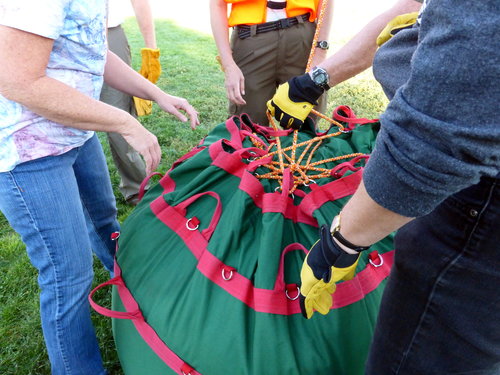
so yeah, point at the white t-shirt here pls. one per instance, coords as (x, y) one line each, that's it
(276, 14)
(77, 59)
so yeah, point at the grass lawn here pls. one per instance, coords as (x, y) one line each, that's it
(190, 71)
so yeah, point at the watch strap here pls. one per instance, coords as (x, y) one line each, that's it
(336, 234)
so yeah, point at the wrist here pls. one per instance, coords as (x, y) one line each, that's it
(344, 243)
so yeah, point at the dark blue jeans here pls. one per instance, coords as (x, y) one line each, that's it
(440, 313)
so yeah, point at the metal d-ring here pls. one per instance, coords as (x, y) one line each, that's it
(377, 265)
(310, 182)
(191, 228)
(224, 275)
(292, 298)
(279, 187)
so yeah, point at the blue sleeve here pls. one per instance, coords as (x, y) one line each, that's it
(441, 130)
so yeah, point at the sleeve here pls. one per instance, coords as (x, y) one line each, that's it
(40, 17)
(441, 131)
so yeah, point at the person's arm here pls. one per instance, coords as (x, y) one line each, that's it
(357, 54)
(324, 31)
(144, 16)
(354, 57)
(24, 59)
(430, 145)
(234, 80)
(122, 77)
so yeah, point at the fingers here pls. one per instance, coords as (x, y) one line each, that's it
(235, 94)
(184, 105)
(287, 121)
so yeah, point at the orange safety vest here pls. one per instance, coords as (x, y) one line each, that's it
(251, 12)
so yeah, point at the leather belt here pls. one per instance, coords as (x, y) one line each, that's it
(244, 31)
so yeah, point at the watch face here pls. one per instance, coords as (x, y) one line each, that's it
(320, 78)
(323, 44)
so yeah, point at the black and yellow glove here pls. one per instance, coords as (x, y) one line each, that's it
(151, 70)
(294, 100)
(395, 25)
(325, 264)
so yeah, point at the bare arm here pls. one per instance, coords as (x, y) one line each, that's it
(324, 31)
(357, 54)
(234, 80)
(24, 59)
(122, 77)
(144, 16)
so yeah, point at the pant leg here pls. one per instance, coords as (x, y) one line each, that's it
(268, 60)
(41, 201)
(98, 201)
(256, 57)
(440, 312)
(129, 163)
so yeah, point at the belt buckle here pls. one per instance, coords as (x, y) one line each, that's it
(283, 23)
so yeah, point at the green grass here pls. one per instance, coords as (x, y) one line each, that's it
(190, 71)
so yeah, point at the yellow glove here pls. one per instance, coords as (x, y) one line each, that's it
(151, 70)
(395, 25)
(293, 101)
(325, 264)
(150, 65)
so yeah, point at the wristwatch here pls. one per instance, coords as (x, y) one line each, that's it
(320, 77)
(323, 44)
(335, 231)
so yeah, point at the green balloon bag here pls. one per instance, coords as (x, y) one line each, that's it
(207, 265)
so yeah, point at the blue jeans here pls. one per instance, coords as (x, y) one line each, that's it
(63, 207)
(440, 313)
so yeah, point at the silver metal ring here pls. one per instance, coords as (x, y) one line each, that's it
(191, 228)
(183, 373)
(377, 265)
(292, 298)
(224, 274)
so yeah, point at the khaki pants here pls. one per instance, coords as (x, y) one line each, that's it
(268, 60)
(129, 163)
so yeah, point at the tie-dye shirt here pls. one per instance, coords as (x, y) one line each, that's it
(77, 59)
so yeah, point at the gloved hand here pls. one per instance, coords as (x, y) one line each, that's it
(151, 70)
(294, 100)
(395, 25)
(325, 264)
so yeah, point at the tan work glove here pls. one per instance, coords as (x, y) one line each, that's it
(395, 25)
(151, 70)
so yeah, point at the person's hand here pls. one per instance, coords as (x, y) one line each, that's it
(325, 264)
(174, 105)
(395, 25)
(294, 100)
(235, 84)
(151, 70)
(144, 142)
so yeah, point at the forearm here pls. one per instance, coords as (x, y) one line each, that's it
(357, 54)
(218, 22)
(144, 16)
(122, 77)
(65, 105)
(365, 222)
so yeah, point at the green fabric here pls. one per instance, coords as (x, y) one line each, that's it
(203, 324)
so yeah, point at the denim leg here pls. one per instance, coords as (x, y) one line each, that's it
(440, 312)
(98, 201)
(41, 200)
